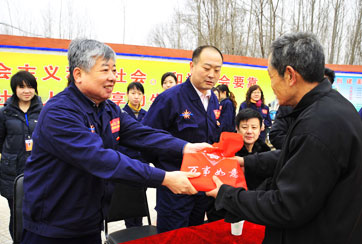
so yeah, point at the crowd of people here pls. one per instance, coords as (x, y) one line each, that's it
(305, 187)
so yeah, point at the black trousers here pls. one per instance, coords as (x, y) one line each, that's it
(32, 238)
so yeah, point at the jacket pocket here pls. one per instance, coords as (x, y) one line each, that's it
(187, 130)
(186, 125)
(8, 164)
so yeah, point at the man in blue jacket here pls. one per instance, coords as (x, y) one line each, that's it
(188, 111)
(75, 155)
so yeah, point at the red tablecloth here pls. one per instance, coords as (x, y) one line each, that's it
(215, 232)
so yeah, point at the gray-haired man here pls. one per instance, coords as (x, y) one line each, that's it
(75, 155)
(314, 193)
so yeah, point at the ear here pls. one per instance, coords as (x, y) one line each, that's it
(191, 66)
(77, 74)
(290, 75)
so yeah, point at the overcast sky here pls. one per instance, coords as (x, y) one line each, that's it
(115, 21)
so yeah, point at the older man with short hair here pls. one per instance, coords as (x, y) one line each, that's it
(314, 193)
(75, 158)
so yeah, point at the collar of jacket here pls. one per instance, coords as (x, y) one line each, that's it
(193, 94)
(190, 90)
(36, 103)
(88, 105)
(313, 95)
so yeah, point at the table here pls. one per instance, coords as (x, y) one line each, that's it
(215, 232)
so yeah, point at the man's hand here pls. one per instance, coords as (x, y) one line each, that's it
(213, 193)
(195, 147)
(179, 183)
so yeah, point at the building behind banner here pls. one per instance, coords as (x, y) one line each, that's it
(47, 60)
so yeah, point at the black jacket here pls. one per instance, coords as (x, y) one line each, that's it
(278, 132)
(13, 132)
(315, 194)
(252, 180)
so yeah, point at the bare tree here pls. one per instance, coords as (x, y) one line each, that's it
(312, 7)
(337, 7)
(259, 16)
(356, 37)
(48, 22)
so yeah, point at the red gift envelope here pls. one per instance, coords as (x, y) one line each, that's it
(215, 161)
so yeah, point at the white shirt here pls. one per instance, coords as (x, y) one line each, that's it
(204, 98)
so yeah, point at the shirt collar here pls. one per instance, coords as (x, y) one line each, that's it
(201, 95)
(313, 95)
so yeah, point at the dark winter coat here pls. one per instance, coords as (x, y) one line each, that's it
(278, 132)
(315, 191)
(13, 133)
(253, 181)
(227, 115)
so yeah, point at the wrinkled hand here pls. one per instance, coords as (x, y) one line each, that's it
(213, 193)
(195, 147)
(178, 182)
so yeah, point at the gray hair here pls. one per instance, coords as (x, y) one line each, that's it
(83, 53)
(302, 51)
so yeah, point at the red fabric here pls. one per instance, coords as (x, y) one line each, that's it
(214, 161)
(215, 232)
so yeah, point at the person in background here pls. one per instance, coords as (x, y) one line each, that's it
(248, 123)
(273, 108)
(314, 195)
(255, 100)
(168, 80)
(18, 119)
(68, 179)
(135, 93)
(216, 92)
(228, 107)
(328, 73)
(187, 111)
(284, 118)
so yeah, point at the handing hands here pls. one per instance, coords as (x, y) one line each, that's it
(195, 147)
(213, 193)
(179, 183)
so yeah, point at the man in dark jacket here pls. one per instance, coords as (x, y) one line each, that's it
(188, 111)
(67, 179)
(315, 195)
(285, 117)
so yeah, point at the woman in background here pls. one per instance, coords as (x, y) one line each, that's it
(228, 107)
(18, 119)
(135, 92)
(255, 100)
(168, 80)
(248, 124)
